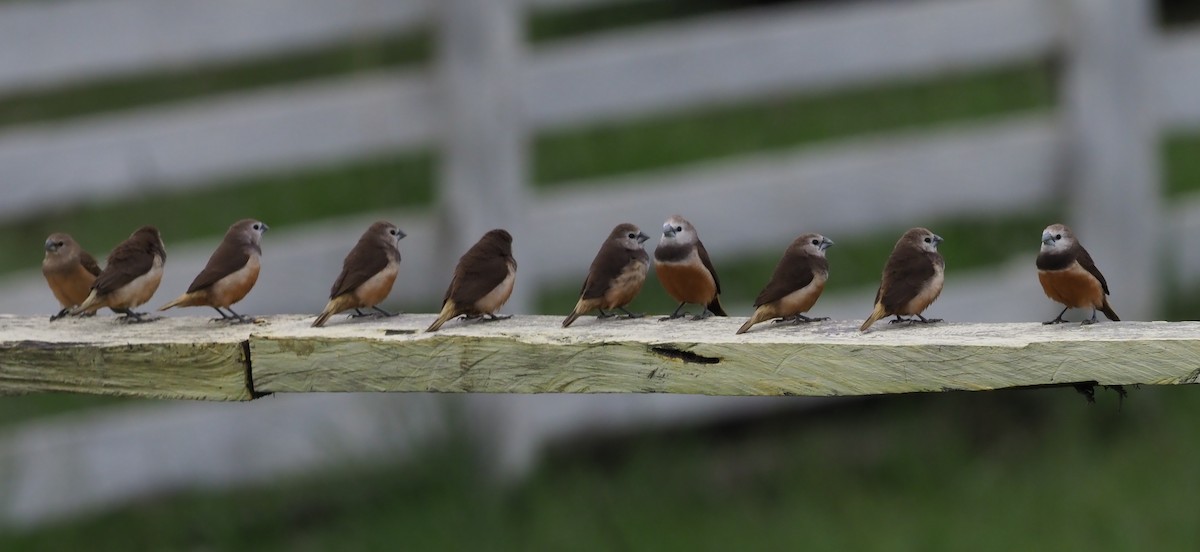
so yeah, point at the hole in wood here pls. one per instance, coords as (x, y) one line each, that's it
(686, 356)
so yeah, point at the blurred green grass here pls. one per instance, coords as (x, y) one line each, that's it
(1007, 470)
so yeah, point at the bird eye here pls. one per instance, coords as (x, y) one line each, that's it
(256, 227)
(631, 236)
(816, 242)
(1058, 236)
(928, 240)
(679, 229)
(392, 231)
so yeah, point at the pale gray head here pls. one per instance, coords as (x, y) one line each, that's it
(248, 230)
(387, 231)
(922, 239)
(1057, 237)
(813, 244)
(60, 243)
(628, 236)
(678, 231)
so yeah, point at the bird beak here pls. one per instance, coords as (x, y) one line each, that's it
(668, 230)
(826, 243)
(1047, 238)
(265, 228)
(400, 234)
(50, 246)
(937, 239)
(642, 237)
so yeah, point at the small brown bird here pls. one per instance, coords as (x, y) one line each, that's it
(69, 270)
(616, 275)
(483, 280)
(686, 272)
(912, 279)
(796, 285)
(130, 276)
(367, 275)
(230, 273)
(1069, 276)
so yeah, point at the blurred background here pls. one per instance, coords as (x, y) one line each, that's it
(984, 120)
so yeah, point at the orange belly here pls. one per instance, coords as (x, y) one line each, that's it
(1072, 286)
(687, 282)
(71, 288)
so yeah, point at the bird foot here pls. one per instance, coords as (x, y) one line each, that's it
(1088, 322)
(605, 315)
(1058, 320)
(360, 314)
(674, 316)
(702, 316)
(801, 319)
(926, 321)
(631, 315)
(137, 318)
(239, 319)
(494, 317)
(899, 320)
(61, 314)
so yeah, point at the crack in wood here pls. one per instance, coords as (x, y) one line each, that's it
(686, 356)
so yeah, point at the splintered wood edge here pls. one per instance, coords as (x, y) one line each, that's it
(191, 358)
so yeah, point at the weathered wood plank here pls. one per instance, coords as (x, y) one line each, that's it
(532, 354)
(178, 358)
(192, 358)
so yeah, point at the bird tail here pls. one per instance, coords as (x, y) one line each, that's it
(334, 306)
(715, 307)
(1109, 312)
(758, 316)
(580, 309)
(876, 314)
(448, 312)
(89, 305)
(181, 301)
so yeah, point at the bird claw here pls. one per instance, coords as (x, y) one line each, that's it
(1087, 322)
(674, 316)
(801, 319)
(61, 314)
(899, 320)
(137, 318)
(1058, 320)
(701, 316)
(605, 315)
(632, 315)
(494, 317)
(926, 321)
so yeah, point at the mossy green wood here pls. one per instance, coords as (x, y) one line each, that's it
(175, 358)
(532, 354)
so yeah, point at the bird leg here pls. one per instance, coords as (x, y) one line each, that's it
(629, 315)
(60, 314)
(1057, 319)
(1089, 321)
(703, 314)
(358, 313)
(134, 317)
(238, 318)
(927, 320)
(801, 319)
(679, 313)
(223, 318)
(604, 315)
(899, 320)
(492, 317)
(384, 313)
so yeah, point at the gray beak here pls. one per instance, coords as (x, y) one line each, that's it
(51, 246)
(668, 230)
(642, 237)
(400, 234)
(1047, 238)
(826, 243)
(265, 227)
(937, 239)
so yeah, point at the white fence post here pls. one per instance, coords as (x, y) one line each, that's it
(483, 155)
(1111, 141)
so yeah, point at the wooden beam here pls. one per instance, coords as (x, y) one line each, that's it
(193, 358)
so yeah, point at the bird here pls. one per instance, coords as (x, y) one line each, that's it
(912, 279)
(685, 271)
(230, 273)
(368, 273)
(69, 271)
(796, 284)
(1069, 276)
(483, 280)
(616, 275)
(130, 277)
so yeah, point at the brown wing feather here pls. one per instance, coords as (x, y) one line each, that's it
(794, 271)
(708, 264)
(229, 257)
(478, 273)
(1085, 260)
(128, 261)
(606, 267)
(364, 261)
(904, 276)
(89, 263)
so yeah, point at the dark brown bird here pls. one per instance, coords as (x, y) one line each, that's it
(483, 280)
(69, 270)
(616, 275)
(686, 272)
(230, 273)
(796, 285)
(912, 279)
(130, 276)
(367, 273)
(1069, 276)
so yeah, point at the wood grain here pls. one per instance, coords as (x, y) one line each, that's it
(189, 357)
